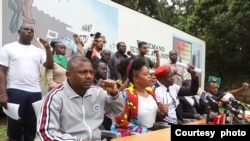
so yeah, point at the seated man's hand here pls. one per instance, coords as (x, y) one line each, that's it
(163, 109)
(199, 117)
(110, 86)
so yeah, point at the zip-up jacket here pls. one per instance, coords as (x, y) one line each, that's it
(66, 116)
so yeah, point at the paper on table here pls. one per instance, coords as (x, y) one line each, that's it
(12, 111)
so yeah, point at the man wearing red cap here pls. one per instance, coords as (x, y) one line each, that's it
(167, 92)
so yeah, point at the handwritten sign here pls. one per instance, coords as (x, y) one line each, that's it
(51, 35)
(85, 30)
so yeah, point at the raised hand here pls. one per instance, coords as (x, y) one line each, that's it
(156, 52)
(129, 53)
(78, 40)
(190, 69)
(245, 85)
(44, 42)
(110, 86)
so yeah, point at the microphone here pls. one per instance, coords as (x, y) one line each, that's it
(233, 100)
(204, 96)
(210, 99)
(231, 109)
(208, 111)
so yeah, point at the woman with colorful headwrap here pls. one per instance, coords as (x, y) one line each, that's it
(141, 109)
(57, 75)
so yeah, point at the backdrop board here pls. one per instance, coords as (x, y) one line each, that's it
(63, 18)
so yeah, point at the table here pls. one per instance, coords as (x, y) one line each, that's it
(159, 135)
(198, 122)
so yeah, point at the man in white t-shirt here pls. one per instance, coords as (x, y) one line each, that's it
(179, 72)
(19, 81)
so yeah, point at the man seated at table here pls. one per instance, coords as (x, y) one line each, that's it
(191, 109)
(75, 109)
(167, 92)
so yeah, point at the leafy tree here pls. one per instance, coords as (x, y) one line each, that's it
(157, 9)
(223, 24)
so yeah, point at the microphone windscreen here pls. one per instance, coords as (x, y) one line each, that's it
(228, 96)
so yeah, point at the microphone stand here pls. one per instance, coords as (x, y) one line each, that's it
(208, 114)
(244, 119)
(243, 111)
(228, 117)
(237, 121)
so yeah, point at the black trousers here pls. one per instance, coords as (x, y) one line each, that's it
(24, 128)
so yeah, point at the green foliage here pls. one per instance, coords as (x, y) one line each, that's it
(3, 129)
(157, 9)
(3, 134)
(223, 24)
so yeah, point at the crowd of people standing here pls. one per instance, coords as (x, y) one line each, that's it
(93, 85)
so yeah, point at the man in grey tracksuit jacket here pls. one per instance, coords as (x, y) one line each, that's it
(68, 116)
